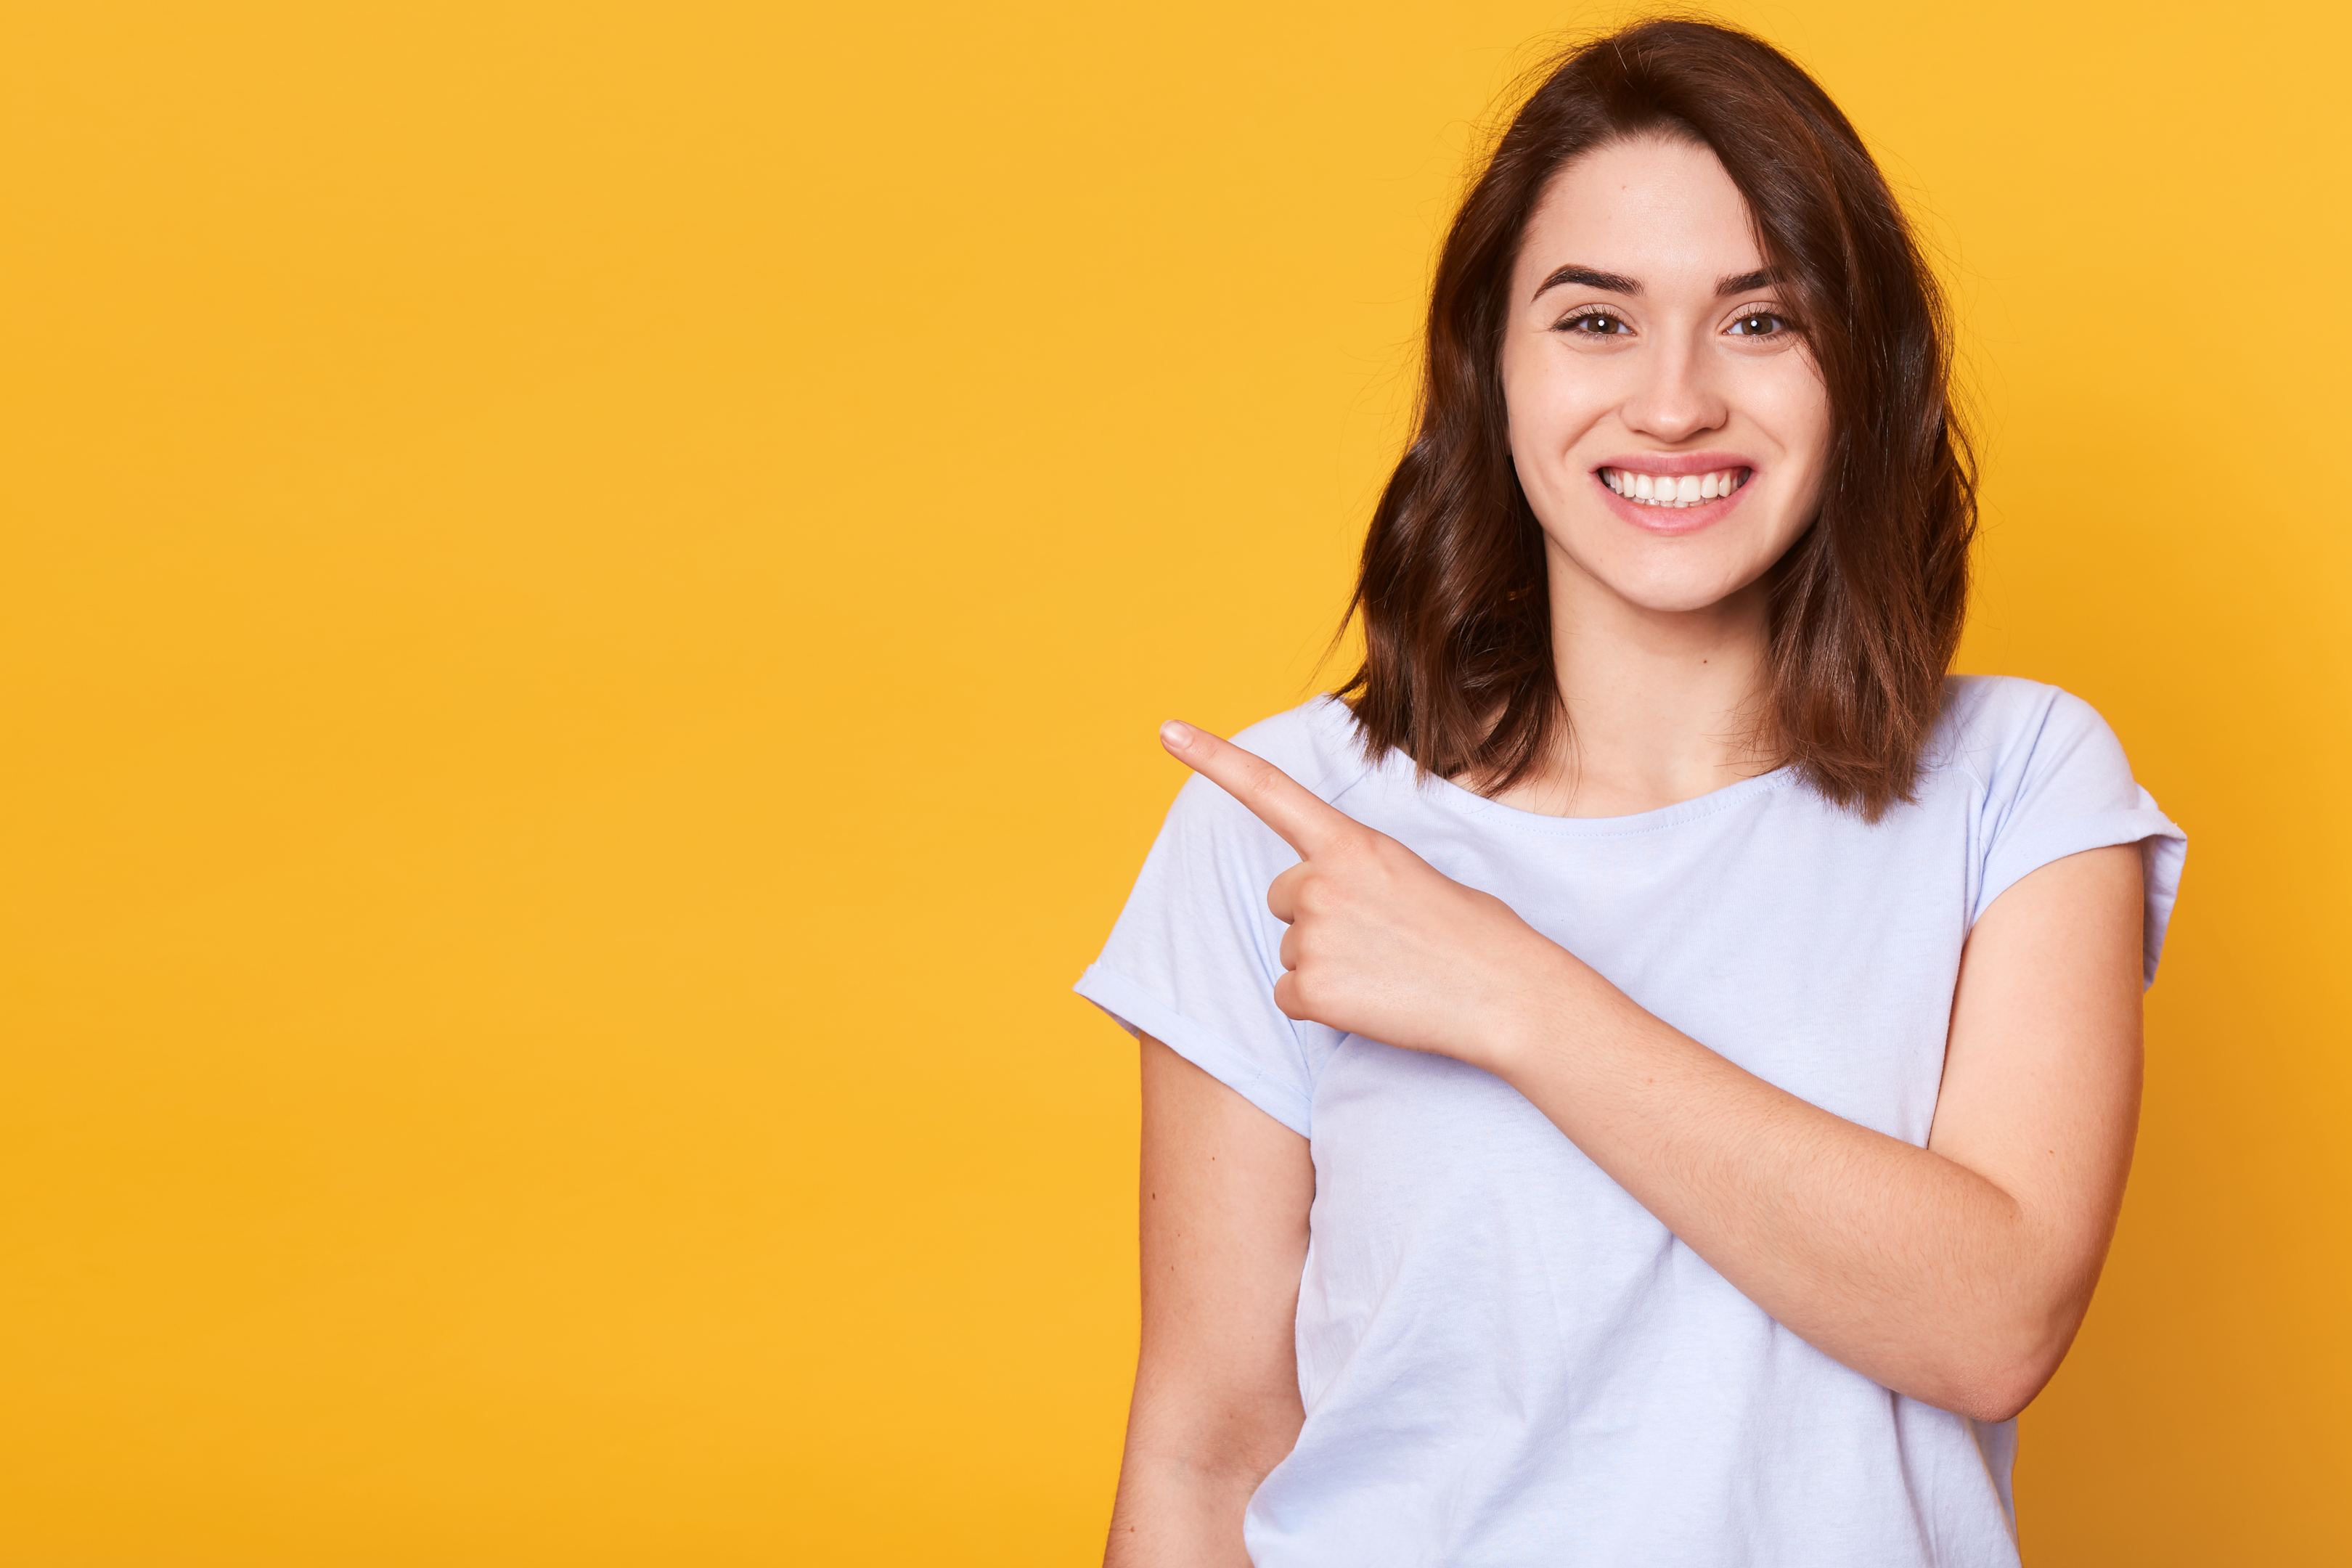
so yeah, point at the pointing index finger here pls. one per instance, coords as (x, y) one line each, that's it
(1304, 822)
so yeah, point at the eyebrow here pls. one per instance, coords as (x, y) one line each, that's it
(1590, 278)
(1618, 283)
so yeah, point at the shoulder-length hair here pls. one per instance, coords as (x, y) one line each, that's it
(1866, 607)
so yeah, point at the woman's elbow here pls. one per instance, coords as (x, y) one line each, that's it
(2003, 1376)
(2001, 1394)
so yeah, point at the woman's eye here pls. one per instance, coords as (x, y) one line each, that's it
(1594, 324)
(1760, 324)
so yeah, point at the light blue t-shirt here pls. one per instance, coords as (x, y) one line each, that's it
(1505, 1359)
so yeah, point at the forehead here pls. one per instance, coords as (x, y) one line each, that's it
(1659, 210)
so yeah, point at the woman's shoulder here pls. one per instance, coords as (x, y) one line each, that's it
(1996, 725)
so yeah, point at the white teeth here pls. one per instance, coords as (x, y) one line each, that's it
(1674, 491)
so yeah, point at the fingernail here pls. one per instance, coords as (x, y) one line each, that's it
(1178, 736)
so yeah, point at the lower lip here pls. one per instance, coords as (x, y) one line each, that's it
(1672, 519)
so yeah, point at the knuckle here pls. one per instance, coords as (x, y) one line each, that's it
(1285, 997)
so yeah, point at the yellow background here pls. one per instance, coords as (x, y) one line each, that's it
(586, 593)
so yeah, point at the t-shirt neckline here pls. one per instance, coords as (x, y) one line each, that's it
(1469, 803)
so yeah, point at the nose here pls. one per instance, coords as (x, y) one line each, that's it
(1674, 396)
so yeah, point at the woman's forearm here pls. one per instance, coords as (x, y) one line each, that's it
(1955, 1273)
(1912, 1269)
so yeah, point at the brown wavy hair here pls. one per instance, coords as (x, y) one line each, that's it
(1866, 606)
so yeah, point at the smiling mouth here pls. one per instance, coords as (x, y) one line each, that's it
(1674, 491)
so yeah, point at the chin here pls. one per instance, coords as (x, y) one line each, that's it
(1675, 588)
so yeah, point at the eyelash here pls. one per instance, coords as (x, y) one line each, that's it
(1591, 313)
(1763, 313)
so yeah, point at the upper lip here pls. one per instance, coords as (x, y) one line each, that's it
(1676, 464)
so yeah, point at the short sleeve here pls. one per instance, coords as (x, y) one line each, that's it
(2057, 784)
(1195, 954)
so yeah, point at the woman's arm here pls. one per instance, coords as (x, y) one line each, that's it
(1956, 1273)
(1225, 1193)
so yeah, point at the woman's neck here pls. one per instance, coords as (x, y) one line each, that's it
(1662, 706)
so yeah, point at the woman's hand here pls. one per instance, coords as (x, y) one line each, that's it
(1382, 944)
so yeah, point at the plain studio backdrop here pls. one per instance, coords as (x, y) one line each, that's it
(586, 591)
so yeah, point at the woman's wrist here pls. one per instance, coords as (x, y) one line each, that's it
(1537, 1017)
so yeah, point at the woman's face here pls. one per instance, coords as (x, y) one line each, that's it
(1668, 425)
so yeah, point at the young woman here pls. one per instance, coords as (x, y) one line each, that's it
(1646, 1075)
